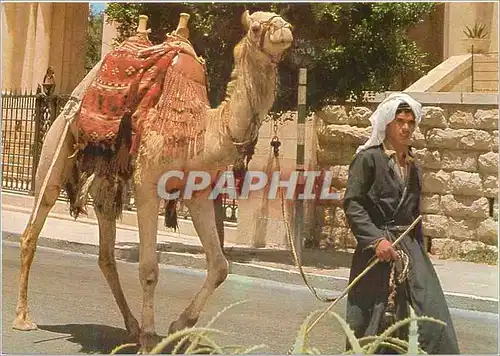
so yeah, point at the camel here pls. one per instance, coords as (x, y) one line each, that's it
(230, 133)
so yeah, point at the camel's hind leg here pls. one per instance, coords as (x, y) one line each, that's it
(60, 172)
(107, 264)
(147, 203)
(203, 217)
(219, 220)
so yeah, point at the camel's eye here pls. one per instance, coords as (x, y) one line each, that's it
(255, 27)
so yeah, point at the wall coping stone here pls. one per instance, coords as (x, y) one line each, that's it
(437, 98)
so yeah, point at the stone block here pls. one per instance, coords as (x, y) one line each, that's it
(431, 204)
(435, 225)
(487, 232)
(494, 141)
(488, 163)
(336, 155)
(461, 120)
(462, 229)
(328, 214)
(333, 114)
(466, 183)
(342, 135)
(340, 175)
(459, 160)
(490, 186)
(436, 182)
(471, 207)
(339, 237)
(359, 116)
(418, 139)
(445, 247)
(340, 218)
(465, 139)
(433, 116)
(430, 159)
(492, 248)
(486, 119)
(468, 246)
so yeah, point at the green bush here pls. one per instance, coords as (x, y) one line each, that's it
(198, 340)
(478, 31)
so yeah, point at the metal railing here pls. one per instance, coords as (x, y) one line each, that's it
(26, 119)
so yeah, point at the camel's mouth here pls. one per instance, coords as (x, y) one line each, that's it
(281, 39)
(282, 36)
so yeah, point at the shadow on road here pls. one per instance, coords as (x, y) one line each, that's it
(93, 338)
(311, 257)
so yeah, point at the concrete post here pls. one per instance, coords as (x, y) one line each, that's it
(8, 31)
(300, 160)
(42, 43)
(29, 52)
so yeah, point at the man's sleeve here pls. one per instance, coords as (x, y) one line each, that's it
(357, 202)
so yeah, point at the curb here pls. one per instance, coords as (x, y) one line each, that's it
(195, 259)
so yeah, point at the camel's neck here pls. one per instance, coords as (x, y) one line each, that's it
(251, 92)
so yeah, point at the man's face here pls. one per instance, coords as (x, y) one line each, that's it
(400, 130)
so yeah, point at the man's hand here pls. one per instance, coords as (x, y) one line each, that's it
(385, 252)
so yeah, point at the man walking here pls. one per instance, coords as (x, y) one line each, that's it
(382, 199)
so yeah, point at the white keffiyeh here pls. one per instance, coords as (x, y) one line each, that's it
(385, 113)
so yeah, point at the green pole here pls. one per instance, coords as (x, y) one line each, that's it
(300, 160)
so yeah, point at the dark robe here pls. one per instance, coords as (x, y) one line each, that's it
(371, 202)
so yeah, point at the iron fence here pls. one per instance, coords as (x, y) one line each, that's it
(26, 119)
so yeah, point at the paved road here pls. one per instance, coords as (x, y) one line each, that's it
(76, 313)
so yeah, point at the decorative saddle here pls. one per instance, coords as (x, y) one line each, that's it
(137, 77)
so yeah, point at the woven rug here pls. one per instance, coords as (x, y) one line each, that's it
(141, 90)
(159, 89)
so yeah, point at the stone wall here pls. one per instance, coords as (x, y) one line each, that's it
(457, 148)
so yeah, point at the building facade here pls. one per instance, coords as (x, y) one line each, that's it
(38, 35)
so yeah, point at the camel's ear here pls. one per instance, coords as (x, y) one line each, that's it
(246, 20)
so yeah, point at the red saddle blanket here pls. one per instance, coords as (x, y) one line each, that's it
(137, 77)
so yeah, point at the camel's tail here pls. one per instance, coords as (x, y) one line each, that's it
(171, 214)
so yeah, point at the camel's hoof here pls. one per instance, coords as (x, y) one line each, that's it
(175, 326)
(180, 324)
(133, 329)
(24, 324)
(148, 341)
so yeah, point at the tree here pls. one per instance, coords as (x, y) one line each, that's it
(94, 38)
(348, 48)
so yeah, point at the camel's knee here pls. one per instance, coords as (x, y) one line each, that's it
(148, 274)
(218, 271)
(50, 196)
(106, 262)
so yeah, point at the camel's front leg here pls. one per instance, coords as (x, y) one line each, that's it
(147, 217)
(54, 176)
(203, 216)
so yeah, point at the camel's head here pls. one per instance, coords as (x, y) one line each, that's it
(269, 32)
